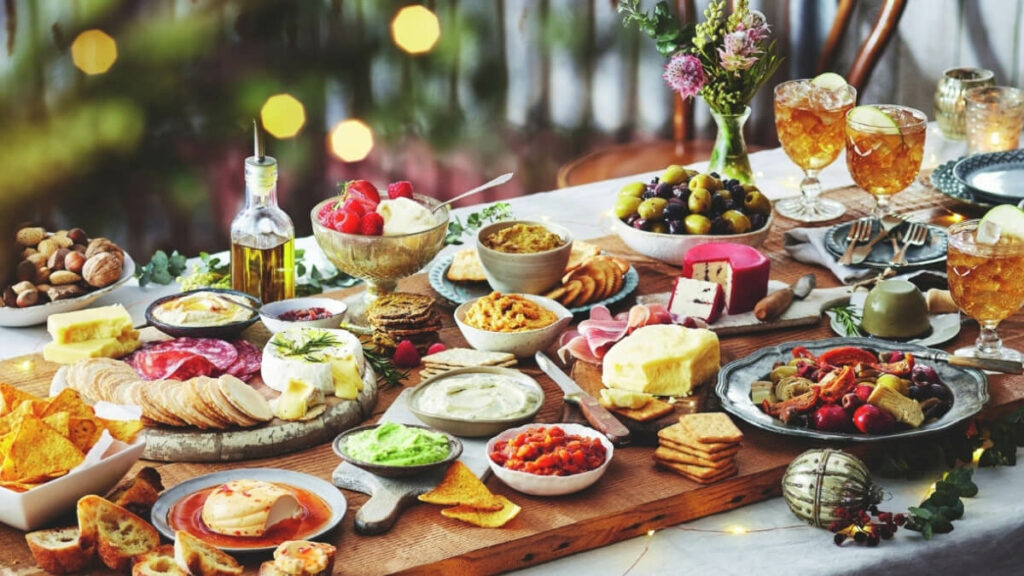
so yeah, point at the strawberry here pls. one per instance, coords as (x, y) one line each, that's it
(372, 224)
(400, 189)
(324, 215)
(364, 192)
(435, 348)
(352, 204)
(345, 222)
(406, 355)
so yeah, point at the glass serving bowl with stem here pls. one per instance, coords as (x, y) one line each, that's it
(809, 120)
(985, 282)
(380, 261)
(885, 160)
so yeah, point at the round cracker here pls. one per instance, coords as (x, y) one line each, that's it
(586, 292)
(572, 289)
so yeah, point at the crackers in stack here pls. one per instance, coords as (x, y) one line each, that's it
(452, 358)
(642, 408)
(700, 447)
(466, 266)
(403, 316)
(595, 279)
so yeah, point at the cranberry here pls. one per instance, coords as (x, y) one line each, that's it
(871, 419)
(863, 391)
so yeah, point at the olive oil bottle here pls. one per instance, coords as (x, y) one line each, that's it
(262, 235)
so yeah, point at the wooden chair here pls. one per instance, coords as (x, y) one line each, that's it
(646, 156)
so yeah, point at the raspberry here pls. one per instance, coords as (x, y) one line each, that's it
(345, 222)
(354, 205)
(406, 355)
(372, 224)
(400, 189)
(435, 348)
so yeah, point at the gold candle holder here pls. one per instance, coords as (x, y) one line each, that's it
(949, 98)
(995, 117)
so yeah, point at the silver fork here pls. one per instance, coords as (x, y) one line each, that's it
(915, 235)
(860, 231)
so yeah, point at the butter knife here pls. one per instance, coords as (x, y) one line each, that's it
(993, 364)
(598, 416)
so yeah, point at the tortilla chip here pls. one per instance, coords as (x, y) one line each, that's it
(484, 518)
(84, 432)
(18, 486)
(11, 397)
(11, 420)
(68, 401)
(123, 430)
(59, 422)
(38, 451)
(461, 487)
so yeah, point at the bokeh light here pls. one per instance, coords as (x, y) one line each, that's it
(351, 140)
(94, 52)
(415, 29)
(283, 116)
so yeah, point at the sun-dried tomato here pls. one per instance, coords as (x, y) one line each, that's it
(847, 356)
(549, 451)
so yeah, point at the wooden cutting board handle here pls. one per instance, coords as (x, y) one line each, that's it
(388, 496)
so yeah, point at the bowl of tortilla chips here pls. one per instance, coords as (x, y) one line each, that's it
(55, 450)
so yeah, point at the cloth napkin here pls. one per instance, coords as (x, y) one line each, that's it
(808, 245)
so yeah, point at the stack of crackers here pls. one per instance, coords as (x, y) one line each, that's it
(466, 266)
(403, 316)
(595, 279)
(452, 358)
(701, 447)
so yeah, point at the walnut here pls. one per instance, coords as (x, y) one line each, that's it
(101, 245)
(102, 269)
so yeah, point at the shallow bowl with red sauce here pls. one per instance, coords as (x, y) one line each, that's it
(312, 312)
(322, 506)
(553, 479)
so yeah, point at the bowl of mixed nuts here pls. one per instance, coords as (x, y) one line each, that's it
(59, 272)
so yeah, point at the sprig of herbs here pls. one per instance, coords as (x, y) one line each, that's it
(849, 318)
(385, 369)
(307, 349)
(493, 213)
(936, 513)
(660, 24)
(161, 268)
(316, 281)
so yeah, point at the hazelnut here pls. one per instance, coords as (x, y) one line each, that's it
(61, 277)
(101, 245)
(73, 262)
(78, 236)
(102, 269)
(56, 260)
(30, 236)
(28, 298)
(26, 270)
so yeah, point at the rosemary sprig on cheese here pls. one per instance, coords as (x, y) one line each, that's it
(309, 349)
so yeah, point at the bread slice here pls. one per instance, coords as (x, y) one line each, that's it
(140, 492)
(304, 558)
(157, 562)
(60, 550)
(201, 559)
(117, 533)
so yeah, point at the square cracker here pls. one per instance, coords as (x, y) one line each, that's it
(653, 410)
(466, 267)
(681, 435)
(698, 474)
(459, 357)
(666, 454)
(708, 456)
(711, 427)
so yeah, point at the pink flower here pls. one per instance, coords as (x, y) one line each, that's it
(684, 74)
(738, 51)
(755, 25)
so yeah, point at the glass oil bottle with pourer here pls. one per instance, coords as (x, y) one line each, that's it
(262, 235)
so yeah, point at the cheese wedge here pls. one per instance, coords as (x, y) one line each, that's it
(662, 359)
(296, 400)
(90, 324)
(345, 373)
(247, 507)
(98, 348)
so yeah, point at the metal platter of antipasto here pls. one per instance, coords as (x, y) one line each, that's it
(850, 389)
(206, 399)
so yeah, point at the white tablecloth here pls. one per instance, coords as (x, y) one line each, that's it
(989, 539)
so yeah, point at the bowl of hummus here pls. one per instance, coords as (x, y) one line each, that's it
(522, 256)
(477, 402)
(518, 324)
(396, 450)
(204, 313)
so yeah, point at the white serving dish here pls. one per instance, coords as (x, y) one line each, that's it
(33, 509)
(33, 315)
(522, 344)
(269, 313)
(671, 248)
(538, 485)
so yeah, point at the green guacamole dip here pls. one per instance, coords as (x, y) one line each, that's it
(393, 444)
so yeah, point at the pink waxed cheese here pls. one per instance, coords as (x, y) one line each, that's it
(741, 270)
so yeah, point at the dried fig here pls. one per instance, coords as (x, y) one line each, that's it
(102, 269)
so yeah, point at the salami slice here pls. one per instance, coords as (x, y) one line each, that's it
(249, 360)
(171, 364)
(220, 353)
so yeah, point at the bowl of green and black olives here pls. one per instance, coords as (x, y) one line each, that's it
(682, 208)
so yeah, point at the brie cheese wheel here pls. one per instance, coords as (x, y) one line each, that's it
(247, 507)
(306, 354)
(741, 270)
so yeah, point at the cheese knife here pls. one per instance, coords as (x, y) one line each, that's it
(598, 416)
(773, 305)
(993, 364)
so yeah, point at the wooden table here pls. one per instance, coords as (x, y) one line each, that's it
(631, 499)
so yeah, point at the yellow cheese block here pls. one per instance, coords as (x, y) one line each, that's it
(90, 324)
(98, 348)
(662, 359)
(345, 374)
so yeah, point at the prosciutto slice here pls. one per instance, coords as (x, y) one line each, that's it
(594, 336)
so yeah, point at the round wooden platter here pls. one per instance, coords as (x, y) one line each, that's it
(274, 438)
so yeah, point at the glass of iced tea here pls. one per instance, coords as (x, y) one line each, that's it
(884, 148)
(809, 118)
(985, 282)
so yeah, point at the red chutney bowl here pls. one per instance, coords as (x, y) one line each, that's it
(312, 312)
(550, 485)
